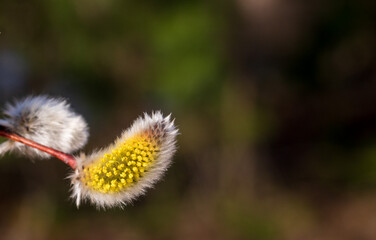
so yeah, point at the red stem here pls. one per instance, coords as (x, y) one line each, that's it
(66, 158)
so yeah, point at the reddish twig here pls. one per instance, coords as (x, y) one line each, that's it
(66, 158)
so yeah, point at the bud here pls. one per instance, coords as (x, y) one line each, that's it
(123, 171)
(47, 121)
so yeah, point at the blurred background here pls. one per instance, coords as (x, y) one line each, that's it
(275, 101)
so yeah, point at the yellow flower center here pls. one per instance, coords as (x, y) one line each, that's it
(122, 167)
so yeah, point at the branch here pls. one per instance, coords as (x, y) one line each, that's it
(66, 158)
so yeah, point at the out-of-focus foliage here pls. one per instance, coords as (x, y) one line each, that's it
(275, 101)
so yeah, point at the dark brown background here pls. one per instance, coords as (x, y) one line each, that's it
(275, 101)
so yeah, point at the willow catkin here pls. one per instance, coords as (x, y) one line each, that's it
(47, 121)
(124, 170)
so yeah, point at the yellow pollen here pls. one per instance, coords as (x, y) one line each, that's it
(122, 166)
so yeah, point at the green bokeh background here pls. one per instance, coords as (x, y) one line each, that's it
(275, 102)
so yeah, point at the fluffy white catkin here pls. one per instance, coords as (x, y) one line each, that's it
(47, 121)
(116, 175)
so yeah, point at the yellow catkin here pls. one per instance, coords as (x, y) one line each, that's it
(121, 167)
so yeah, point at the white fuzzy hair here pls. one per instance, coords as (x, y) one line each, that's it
(167, 147)
(47, 121)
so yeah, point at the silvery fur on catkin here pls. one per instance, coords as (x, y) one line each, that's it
(47, 121)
